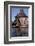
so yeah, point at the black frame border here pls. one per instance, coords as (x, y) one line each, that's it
(6, 21)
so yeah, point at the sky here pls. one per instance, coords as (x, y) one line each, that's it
(15, 11)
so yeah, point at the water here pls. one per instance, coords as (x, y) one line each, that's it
(18, 32)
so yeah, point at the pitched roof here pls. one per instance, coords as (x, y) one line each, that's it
(21, 14)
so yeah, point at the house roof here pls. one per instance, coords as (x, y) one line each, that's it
(21, 14)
